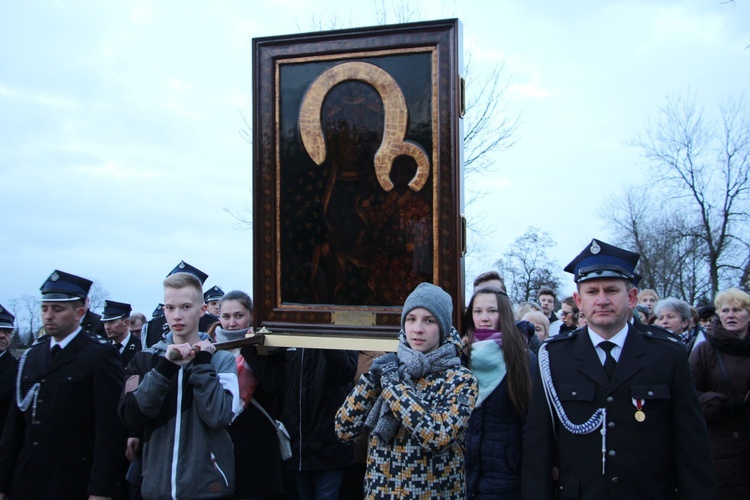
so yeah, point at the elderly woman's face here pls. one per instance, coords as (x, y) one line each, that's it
(734, 318)
(672, 321)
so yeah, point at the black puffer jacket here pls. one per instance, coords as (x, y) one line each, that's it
(317, 382)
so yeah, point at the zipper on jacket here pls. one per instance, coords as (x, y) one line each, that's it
(216, 466)
(177, 429)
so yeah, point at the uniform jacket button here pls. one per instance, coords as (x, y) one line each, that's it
(610, 399)
(612, 453)
(615, 480)
(650, 393)
(611, 425)
(574, 393)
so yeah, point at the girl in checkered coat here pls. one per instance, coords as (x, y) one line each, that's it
(415, 406)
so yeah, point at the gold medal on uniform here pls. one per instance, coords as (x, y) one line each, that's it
(639, 415)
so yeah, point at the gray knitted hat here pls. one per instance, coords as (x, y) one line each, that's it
(435, 300)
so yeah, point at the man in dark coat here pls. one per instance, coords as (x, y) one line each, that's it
(8, 364)
(317, 382)
(92, 323)
(116, 319)
(63, 437)
(626, 423)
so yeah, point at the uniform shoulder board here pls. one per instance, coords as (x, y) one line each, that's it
(658, 332)
(563, 336)
(43, 340)
(96, 339)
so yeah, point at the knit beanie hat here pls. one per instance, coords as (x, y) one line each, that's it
(435, 300)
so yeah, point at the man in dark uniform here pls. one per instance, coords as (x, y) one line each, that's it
(92, 323)
(626, 420)
(116, 319)
(157, 329)
(63, 437)
(211, 299)
(8, 364)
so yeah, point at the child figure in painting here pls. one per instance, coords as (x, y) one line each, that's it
(415, 405)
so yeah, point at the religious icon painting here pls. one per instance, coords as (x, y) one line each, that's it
(357, 180)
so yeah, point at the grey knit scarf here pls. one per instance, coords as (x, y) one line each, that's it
(227, 335)
(412, 366)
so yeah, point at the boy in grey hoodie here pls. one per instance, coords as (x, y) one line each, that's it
(180, 395)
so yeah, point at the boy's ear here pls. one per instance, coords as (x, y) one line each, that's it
(204, 308)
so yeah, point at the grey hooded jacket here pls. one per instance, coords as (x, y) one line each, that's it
(182, 414)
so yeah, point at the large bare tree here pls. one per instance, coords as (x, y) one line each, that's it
(690, 233)
(647, 223)
(526, 267)
(27, 310)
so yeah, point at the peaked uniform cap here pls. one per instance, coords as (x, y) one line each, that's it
(184, 267)
(214, 293)
(159, 311)
(6, 318)
(115, 310)
(64, 287)
(602, 260)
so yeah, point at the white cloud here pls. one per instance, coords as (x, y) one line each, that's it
(8, 91)
(177, 84)
(142, 14)
(56, 101)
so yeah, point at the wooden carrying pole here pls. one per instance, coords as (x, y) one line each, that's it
(267, 339)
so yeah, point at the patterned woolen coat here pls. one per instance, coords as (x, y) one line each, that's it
(425, 459)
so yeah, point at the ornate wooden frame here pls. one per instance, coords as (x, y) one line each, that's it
(338, 116)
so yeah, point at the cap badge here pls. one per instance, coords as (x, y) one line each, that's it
(181, 265)
(54, 277)
(1, 309)
(595, 248)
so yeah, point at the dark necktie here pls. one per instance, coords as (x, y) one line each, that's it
(119, 346)
(609, 361)
(52, 353)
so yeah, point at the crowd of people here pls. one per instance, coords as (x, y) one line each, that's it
(607, 393)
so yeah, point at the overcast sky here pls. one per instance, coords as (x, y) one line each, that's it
(120, 144)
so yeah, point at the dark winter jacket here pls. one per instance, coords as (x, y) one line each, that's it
(317, 382)
(494, 445)
(726, 406)
(257, 457)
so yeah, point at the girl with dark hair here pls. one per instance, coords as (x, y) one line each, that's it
(257, 456)
(501, 361)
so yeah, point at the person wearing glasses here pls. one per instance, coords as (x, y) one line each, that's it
(568, 315)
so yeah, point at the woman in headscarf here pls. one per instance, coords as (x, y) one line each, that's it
(721, 371)
(414, 405)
